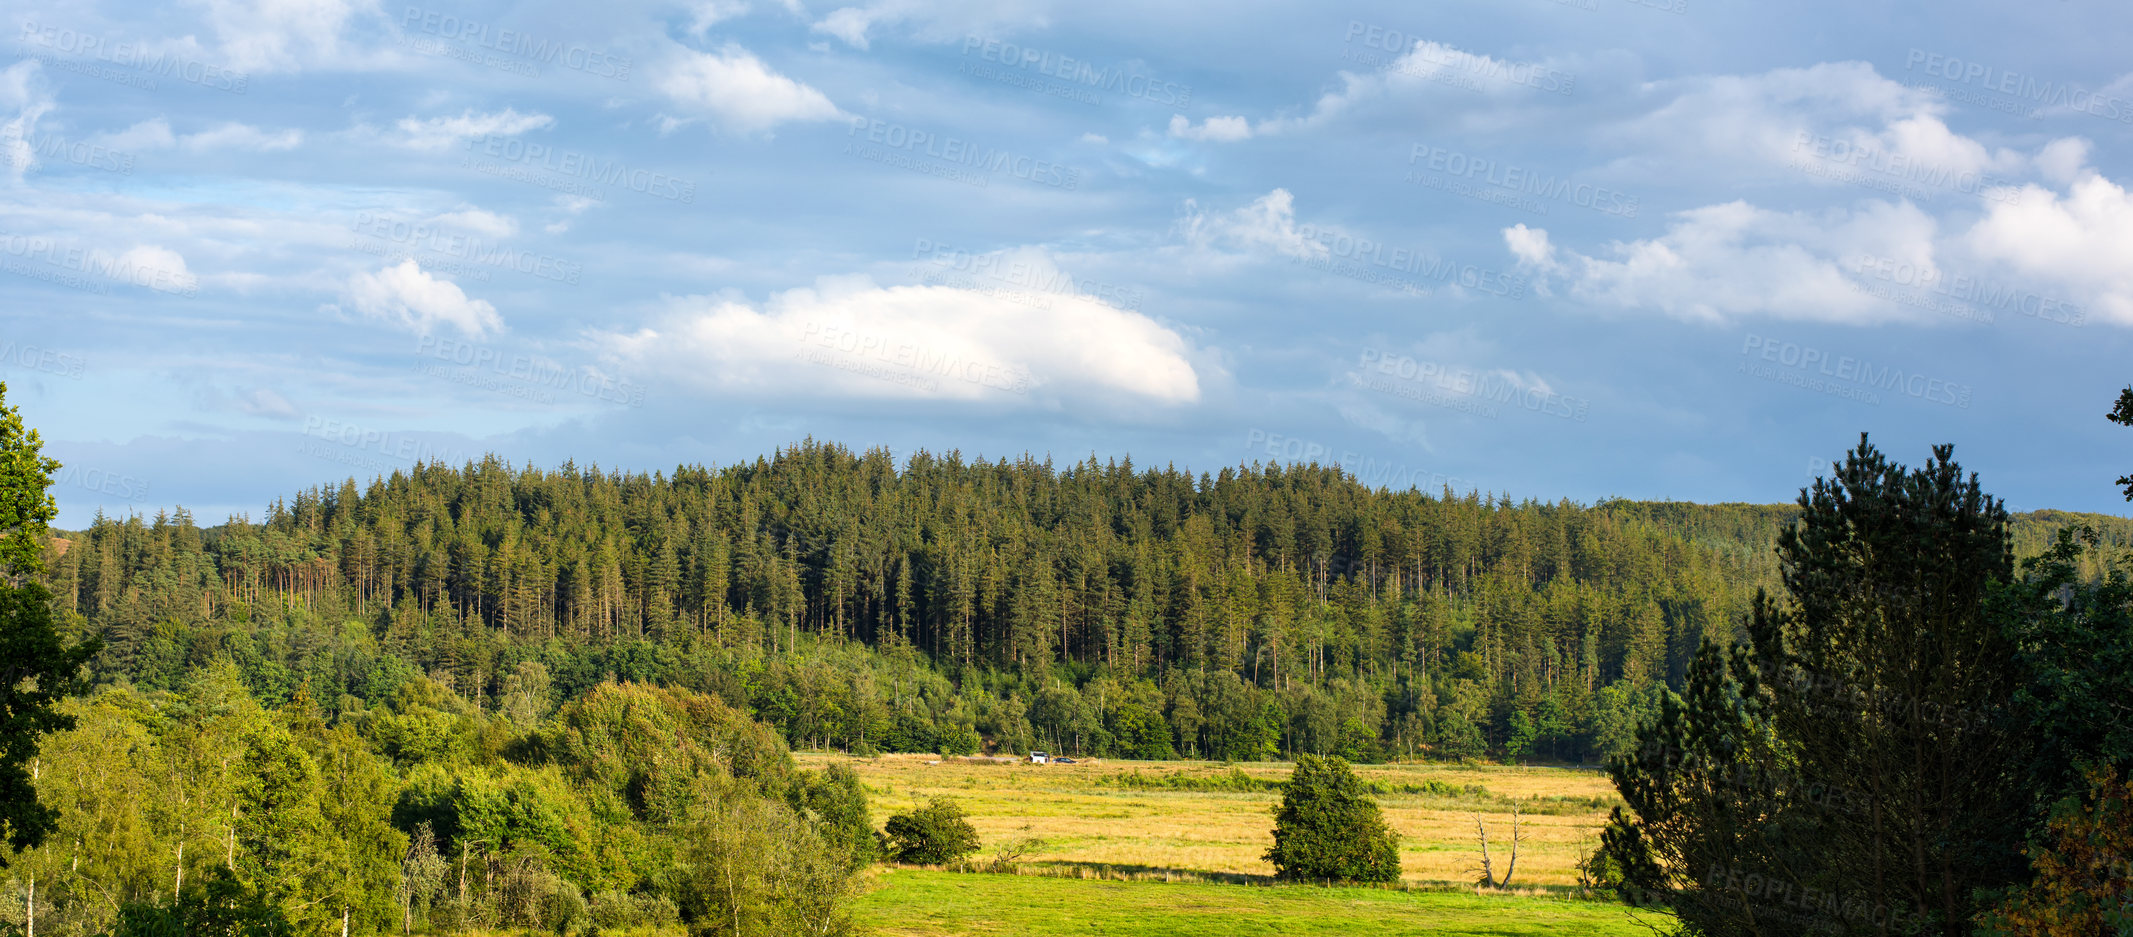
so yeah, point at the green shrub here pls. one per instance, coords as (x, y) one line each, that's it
(934, 835)
(838, 804)
(1327, 828)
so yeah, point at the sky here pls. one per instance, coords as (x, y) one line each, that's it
(1656, 249)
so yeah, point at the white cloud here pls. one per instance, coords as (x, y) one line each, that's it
(414, 300)
(932, 20)
(261, 401)
(282, 35)
(481, 222)
(740, 90)
(1734, 261)
(848, 337)
(17, 94)
(155, 134)
(1213, 129)
(1837, 121)
(235, 136)
(151, 134)
(849, 24)
(2083, 240)
(1442, 77)
(438, 133)
(158, 268)
(1268, 223)
(705, 14)
(571, 206)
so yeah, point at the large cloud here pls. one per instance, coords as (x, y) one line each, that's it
(738, 89)
(2083, 239)
(849, 337)
(419, 302)
(1735, 261)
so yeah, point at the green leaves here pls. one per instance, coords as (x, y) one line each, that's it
(26, 504)
(935, 834)
(1328, 829)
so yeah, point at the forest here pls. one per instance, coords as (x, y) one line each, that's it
(496, 697)
(955, 606)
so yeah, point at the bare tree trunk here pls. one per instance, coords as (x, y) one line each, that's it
(1488, 872)
(1508, 871)
(179, 883)
(29, 910)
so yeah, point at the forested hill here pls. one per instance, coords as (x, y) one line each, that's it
(1096, 607)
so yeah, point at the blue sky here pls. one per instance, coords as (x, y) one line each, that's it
(1681, 249)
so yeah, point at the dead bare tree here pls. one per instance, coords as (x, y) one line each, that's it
(1488, 868)
(1488, 872)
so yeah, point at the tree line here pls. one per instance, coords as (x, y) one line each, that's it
(948, 605)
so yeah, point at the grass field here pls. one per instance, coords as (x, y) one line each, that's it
(1094, 820)
(921, 903)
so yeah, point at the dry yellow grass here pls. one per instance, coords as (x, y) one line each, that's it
(1086, 823)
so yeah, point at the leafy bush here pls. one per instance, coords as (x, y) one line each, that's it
(1327, 828)
(2084, 870)
(614, 910)
(838, 804)
(934, 835)
(751, 865)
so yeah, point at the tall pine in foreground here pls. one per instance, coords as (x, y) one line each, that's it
(1852, 769)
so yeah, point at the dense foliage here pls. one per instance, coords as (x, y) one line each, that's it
(1328, 829)
(37, 666)
(936, 834)
(632, 804)
(2084, 868)
(1875, 758)
(953, 605)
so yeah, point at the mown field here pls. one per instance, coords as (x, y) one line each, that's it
(923, 903)
(1122, 819)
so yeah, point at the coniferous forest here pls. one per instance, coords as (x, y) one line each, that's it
(945, 604)
(493, 697)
